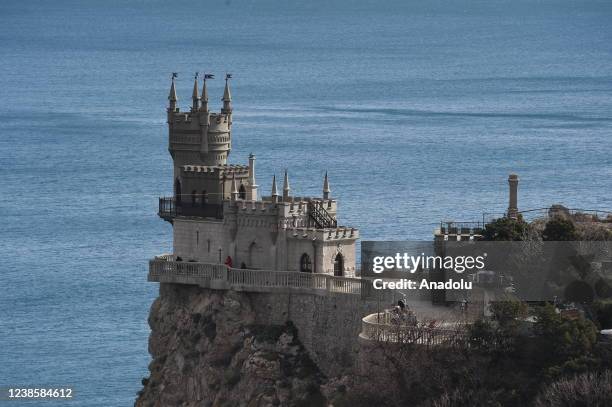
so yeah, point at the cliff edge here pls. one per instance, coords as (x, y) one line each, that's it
(208, 350)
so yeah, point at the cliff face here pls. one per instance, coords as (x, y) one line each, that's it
(208, 351)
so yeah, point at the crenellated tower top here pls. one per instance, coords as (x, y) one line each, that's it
(199, 137)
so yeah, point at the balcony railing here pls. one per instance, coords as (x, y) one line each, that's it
(170, 209)
(382, 327)
(165, 269)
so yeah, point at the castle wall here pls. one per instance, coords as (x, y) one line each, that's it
(331, 249)
(200, 240)
(254, 243)
(328, 326)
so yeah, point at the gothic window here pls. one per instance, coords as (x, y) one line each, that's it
(242, 192)
(305, 264)
(193, 197)
(339, 265)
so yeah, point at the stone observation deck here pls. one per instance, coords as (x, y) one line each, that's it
(382, 327)
(165, 269)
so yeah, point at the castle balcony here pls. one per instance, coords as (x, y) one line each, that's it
(170, 209)
(166, 269)
(391, 327)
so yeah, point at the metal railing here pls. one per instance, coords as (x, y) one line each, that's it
(319, 215)
(169, 209)
(381, 327)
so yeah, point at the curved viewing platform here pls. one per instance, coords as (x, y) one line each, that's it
(165, 269)
(387, 327)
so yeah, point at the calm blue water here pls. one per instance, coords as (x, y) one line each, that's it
(418, 110)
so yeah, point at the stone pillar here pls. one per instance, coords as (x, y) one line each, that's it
(252, 184)
(513, 181)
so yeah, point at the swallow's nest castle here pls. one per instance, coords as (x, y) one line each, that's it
(219, 215)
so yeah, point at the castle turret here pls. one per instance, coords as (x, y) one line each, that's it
(274, 190)
(204, 98)
(198, 137)
(326, 189)
(235, 192)
(195, 96)
(172, 96)
(227, 96)
(286, 188)
(252, 183)
(513, 181)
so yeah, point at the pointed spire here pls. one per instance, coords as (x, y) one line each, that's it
(326, 189)
(172, 96)
(274, 189)
(204, 105)
(234, 188)
(227, 96)
(286, 188)
(195, 97)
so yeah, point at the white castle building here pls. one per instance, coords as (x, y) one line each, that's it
(218, 215)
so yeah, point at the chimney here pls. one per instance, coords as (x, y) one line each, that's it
(513, 181)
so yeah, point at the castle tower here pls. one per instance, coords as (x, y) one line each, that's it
(198, 137)
(513, 181)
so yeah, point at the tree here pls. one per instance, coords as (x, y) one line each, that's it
(559, 229)
(564, 338)
(587, 389)
(505, 229)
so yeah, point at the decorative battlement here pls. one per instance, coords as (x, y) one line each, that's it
(224, 169)
(451, 230)
(199, 136)
(329, 234)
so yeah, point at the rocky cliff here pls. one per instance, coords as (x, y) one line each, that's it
(208, 350)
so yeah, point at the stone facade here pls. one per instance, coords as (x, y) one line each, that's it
(219, 216)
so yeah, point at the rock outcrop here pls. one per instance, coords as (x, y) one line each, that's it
(208, 351)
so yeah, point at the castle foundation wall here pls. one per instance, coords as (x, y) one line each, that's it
(328, 326)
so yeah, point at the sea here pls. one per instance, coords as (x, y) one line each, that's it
(418, 110)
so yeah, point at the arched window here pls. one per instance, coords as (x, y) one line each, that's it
(177, 191)
(339, 265)
(204, 197)
(194, 194)
(242, 192)
(305, 264)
